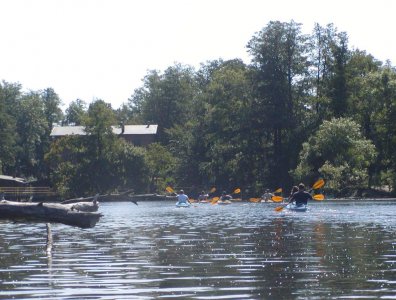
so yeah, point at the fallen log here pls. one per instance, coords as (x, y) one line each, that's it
(84, 206)
(48, 212)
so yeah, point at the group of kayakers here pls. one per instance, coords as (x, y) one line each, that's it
(298, 195)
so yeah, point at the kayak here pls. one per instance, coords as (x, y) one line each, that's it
(294, 207)
(182, 204)
(223, 202)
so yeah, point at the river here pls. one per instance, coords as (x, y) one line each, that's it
(336, 250)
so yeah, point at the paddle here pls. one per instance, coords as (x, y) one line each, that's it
(254, 200)
(317, 185)
(279, 208)
(277, 198)
(169, 189)
(318, 197)
(214, 200)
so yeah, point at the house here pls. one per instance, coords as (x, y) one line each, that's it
(138, 135)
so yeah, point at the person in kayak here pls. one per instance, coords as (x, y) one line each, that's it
(300, 197)
(203, 196)
(182, 198)
(267, 196)
(224, 196)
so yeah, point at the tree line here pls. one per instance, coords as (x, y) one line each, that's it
(306, 106)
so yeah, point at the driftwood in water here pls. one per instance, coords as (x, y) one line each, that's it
(49, 212)
(84, 206)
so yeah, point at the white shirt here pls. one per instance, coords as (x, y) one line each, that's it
(182, 198)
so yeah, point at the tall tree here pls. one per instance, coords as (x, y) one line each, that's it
(33, 128)
(213, 146)
(10, 94)
(338, 83)
(328, 58)
(384, 90)
(279, 60)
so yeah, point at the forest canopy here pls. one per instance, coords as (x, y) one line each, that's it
(306, 106)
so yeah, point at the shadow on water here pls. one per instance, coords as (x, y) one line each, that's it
(238, 251)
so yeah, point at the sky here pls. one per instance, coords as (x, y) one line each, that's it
(102, 49)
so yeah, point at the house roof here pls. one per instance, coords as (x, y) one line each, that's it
(16, 179)
(128, 130)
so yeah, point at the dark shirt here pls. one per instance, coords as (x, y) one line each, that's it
(301, 197)
(225, 197)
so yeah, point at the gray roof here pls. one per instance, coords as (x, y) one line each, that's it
(17, 179)
(128, 130)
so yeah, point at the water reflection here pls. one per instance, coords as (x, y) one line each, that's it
(239, 251)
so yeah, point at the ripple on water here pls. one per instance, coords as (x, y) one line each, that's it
(239, 251)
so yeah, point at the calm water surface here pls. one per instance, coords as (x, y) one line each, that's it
(337, 250)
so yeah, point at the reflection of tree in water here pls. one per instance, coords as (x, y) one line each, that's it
(320, 233)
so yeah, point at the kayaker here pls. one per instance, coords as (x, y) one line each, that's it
(300, 197)
(182, 198)
(267, 196)
(202, 196)
(224, 196)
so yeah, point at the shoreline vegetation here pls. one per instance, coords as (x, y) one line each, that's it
(306, 106)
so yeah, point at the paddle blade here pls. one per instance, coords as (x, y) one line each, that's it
(279, 208)
(318, 184)
(277, 198)
(215, 200)
(278, 190)
(212, 190)
(254, 200)
(169, 189)
(318, 197)
(237, 191)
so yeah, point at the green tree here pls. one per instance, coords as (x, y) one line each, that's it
(99, 141)
(52, 111)
(165, 98)
(328, 58)
(338, 82)
(161, 167)
(364, 100)
(66, 160)
(9, 95)
(98, 162)
(279, 60)
(213, 146)
(383, 90)
(338, 152)
(33, 129)
(75, 112)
